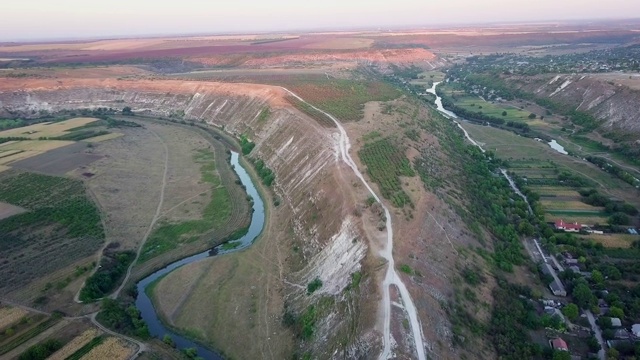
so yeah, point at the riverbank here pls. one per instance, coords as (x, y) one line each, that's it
(147, 306)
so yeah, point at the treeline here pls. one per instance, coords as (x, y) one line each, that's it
(266, 174)
(614, 170)
(594, 198)
(42, 350)
(113, 266)
(123, 318)
(479, 116)
(246, 145)
(512, 318)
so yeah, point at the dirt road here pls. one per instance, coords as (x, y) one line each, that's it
(156, 216)
(391, 277)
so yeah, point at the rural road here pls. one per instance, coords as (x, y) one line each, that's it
(142, 347)
(594, 326)
(156, 216)
(391, 277)
(598, 333)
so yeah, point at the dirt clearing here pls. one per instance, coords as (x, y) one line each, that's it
(7, 210)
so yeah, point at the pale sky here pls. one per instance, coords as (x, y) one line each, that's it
(47, 19)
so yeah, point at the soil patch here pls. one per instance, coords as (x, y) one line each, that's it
(59, 161)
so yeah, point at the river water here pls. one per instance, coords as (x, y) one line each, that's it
(451, 115)
(557, 147)
(143, 302)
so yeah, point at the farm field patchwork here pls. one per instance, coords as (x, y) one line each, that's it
(31, 327)
(111, 348)
(10, 315)
(74, 345)
(512, 147)
(51, 129)
(552, 204)
(60, 160)
(60, 217)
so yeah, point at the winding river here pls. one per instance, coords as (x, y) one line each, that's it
(451, 115)
(143, 302)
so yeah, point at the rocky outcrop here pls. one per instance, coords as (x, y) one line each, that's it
(312, 186)
(615, 104)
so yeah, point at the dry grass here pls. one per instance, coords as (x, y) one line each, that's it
(47, 129)
(17, 156)
(74, 345)
(6, 153)
(615, 240)
(104, 137)
(112, 348)
(3, 168)
(28, 148)
(9, 315)
(126, 184)
(552, 204)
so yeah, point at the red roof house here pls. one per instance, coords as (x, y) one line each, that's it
(561, 225)
(559, 344)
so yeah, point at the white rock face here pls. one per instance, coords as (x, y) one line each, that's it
(338, 260)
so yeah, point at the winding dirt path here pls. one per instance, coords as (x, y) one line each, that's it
(391, 276)
(156, 216)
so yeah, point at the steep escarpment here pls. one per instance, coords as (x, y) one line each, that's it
(263, 298)
(614, 104)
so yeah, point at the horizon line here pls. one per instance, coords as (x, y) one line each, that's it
(328, 29)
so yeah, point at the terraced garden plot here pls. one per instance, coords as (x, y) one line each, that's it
(75, 345)
(8, 343)
(552, 204)
(536, 172)
(553, 191)
(111, 348)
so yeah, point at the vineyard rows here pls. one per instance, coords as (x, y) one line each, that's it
(385, 164)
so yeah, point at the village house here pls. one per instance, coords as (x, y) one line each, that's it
(559, 344)
(616, 322)
(568, 227)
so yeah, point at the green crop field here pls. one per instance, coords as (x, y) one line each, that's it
(169, 236)
(342, 98)
(385, 164)
(476, 104)
(62, 225)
